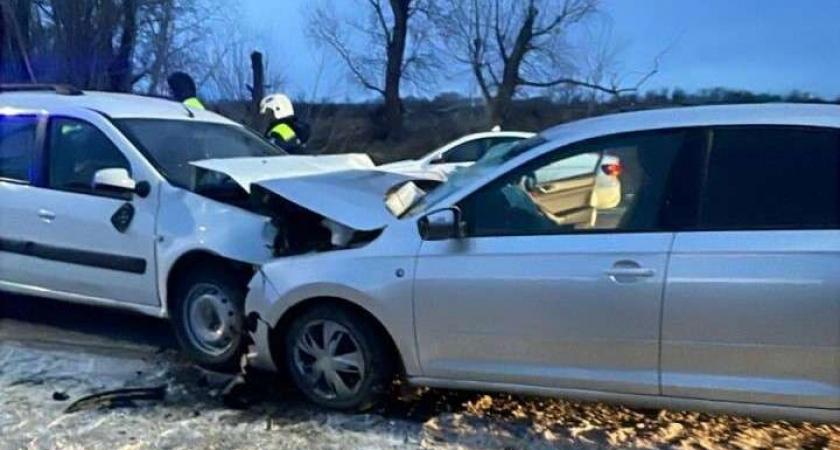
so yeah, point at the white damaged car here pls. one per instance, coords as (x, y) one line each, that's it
(113, 200)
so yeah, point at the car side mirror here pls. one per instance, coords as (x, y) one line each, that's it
(437, 159)
(118, 181)
(442, 225)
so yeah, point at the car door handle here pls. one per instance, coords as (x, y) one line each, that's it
(631, 272)
(45, 215)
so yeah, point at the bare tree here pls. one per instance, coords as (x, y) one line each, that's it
(514, 45)
(172, 36)
(97, 44)
(382, 49)
(89, 43)
(15, 19)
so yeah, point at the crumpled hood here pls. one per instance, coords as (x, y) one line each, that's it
(247, 171)
(406, 164)
(420, 168)
(354, 198)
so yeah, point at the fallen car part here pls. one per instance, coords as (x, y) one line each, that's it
(118, 398)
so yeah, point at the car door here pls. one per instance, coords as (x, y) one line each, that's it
(77, 247)
(537, 295)
(19, 143)
(752, 307)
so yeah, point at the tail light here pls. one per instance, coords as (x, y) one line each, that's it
(613, 169)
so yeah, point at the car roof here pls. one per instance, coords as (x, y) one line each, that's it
(496, 134)
(785, 114)
(114, 105)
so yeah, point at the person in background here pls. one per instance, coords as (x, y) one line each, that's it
(182, 87)
(285, 129)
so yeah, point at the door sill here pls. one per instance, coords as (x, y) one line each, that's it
(35, 291)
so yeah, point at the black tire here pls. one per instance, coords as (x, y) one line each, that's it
(379, 358)
(231, 289)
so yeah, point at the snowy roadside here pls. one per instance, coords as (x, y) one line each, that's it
(37, 361)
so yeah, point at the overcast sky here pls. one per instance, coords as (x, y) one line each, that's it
(761, 45)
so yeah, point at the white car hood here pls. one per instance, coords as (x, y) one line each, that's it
(421, 169)
(353, 198)
(247, 171)
(347, 189)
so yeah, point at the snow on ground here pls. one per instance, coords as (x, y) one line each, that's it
(76, 355)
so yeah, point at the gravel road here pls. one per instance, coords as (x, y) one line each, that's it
(53, 354)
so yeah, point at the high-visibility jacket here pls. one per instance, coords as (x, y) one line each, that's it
(289, 134)
(194, 103)
(284, 131)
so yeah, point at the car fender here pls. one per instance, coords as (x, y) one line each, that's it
(189, 223)
(382, 286)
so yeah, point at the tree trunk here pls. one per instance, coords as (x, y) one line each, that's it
(258, 86)
(23, 15)
(120, 73)
(394, 68)
(500, 106)
(500, 110)
(14, 48)
(4, 45)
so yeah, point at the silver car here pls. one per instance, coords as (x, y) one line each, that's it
(712, 285)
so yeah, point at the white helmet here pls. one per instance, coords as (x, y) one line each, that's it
(279, 105)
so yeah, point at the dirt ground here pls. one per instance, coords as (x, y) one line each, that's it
(52, 354)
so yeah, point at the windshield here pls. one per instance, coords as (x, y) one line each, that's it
(173, 144)
(464, 176)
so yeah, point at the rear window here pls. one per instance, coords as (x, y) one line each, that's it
(772, 178)
(17, 147)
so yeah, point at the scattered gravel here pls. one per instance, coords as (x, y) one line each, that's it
(193, 415)
(48, 361)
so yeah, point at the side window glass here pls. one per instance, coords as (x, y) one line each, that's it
(615, 183)
(467, 152)
(77, 150)
(17, 147)
(772, 178)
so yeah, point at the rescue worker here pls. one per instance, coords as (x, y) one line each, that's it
(284, 129)
(183, 89)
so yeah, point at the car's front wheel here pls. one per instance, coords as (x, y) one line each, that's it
(207, 315)
(338, 358)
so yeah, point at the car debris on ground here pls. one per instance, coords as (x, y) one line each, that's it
(117, 398)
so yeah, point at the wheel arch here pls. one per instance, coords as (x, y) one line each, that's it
(195, 258)
(279, 329)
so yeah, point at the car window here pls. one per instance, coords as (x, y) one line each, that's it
(617, 183)
(465, 153)
(772, 178)
(17, 146)
(497, 157)
(172, 145)
(472, 151)
(76, 151)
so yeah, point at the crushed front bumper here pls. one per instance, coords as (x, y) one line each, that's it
(259, 348)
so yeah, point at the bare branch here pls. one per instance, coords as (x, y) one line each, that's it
(380, 15)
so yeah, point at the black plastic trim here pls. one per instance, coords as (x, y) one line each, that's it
(99, 260)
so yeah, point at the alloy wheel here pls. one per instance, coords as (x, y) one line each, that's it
(330, 360)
